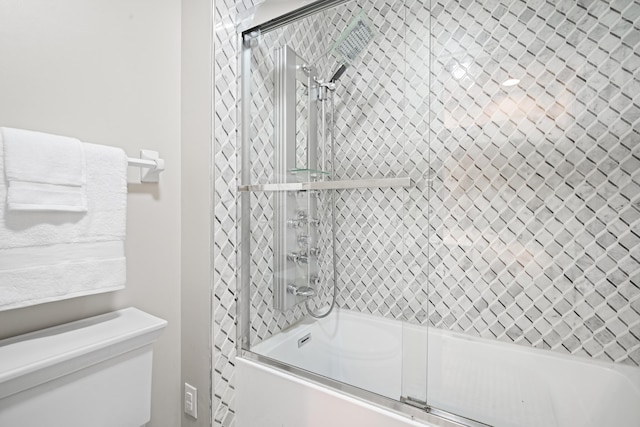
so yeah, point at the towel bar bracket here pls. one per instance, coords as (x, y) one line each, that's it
(150, 165)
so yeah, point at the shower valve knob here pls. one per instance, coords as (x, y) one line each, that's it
(302, 291)
(298, 257)
(294, 223)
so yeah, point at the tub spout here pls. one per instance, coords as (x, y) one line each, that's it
(301, 291)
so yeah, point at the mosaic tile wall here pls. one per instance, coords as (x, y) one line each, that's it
(305, 38)
(225, 68)
(524, 220)
(311, 40)
(535, 205)
(523, 224)
(264, 320)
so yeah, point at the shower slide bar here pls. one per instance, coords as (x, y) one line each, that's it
(330, 185)
(150, 165)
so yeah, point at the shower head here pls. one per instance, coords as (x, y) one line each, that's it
(354, 39)
(351, 43)
(339, 72)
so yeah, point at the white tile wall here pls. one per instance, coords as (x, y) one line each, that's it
(524, 223)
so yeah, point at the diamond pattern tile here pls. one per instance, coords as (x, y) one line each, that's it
(224, 240)
(524, 221)
(305, 38)
(529, 180)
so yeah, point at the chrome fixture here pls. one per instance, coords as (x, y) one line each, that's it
(297, 85)
(298, 257)
(305, 339)
(298, 191)
(295, 223)
(298, 188)
(303, 240)
(339, 72)
(301, 291)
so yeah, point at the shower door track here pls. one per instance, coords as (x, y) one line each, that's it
(310, 9)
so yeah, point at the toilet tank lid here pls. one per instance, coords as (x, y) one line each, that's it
(37, 357)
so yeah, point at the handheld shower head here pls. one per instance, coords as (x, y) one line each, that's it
(355, 38)
(351, 43)
(339, 72)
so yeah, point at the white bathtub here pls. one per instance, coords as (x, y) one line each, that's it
(492, 382)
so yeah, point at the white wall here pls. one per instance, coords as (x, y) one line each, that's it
(108, 72)
(196, 204)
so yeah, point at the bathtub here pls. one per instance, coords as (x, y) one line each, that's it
(494, 383)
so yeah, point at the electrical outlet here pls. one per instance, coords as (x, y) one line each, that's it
(190, 400)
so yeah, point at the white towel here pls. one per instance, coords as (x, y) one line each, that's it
(44, 172)
(48, 256)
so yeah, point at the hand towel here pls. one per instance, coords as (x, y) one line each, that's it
(44, 172)
(49, 256)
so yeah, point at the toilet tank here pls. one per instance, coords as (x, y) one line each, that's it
(93, 372)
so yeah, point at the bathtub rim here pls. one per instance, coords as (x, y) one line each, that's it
(429, 415)
(622, 372)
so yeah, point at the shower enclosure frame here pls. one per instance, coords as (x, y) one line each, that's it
(248, 38)
(250, 42)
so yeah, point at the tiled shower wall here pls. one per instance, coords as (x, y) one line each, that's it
(535, 207)
(225, 155)
(265, 321)
(306, 38)
(524, 220)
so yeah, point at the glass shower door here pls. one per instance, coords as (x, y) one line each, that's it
(534, 122)
(516, 127)
(417, 227)
(368, 181)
